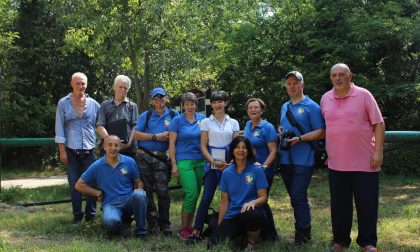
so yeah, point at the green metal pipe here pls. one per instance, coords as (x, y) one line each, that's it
(390, 137)
(26, 141)
(402, 136)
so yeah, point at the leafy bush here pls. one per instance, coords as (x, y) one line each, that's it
(402, 159)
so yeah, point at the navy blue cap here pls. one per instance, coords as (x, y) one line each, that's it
(157, 91)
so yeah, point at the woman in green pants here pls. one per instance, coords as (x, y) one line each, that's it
(186, 158)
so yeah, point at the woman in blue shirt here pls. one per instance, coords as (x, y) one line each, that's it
(244, 193)
(186, 158)
(263, 137)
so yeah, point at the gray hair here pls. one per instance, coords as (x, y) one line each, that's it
(341, 66)
(122, 79)
(78, 74)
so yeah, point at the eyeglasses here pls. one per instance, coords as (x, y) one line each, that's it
(158, 96)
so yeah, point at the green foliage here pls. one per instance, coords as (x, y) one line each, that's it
(12, 195)
(402, 159)
(243, 47)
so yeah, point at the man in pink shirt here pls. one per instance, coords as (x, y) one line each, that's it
(355, 137)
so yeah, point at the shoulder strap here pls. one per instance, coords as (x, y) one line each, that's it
(294, 123)
(148, 115)
(128, 105)
(172, 113)
(108, 118)
(292, 120)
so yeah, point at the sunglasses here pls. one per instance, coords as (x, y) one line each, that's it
(158, 96)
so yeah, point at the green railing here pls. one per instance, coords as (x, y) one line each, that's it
(390, 137)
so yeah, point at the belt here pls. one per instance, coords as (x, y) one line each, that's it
(80, 151)
(157, 153)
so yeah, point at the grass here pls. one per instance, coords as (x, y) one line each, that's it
(12, 172)
(49, 228)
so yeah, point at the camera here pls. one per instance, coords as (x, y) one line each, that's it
(284, 144)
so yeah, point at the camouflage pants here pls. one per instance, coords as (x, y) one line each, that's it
(155, 177)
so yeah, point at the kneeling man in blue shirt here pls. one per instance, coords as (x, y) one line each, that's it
(115, 175)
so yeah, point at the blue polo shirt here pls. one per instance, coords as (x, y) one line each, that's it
(259, 137)
(157, 124)
(308, 114)
(242, 187)
(187, 144)
(115, 183)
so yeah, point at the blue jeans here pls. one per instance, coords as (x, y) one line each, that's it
(75, 167)
(296, 179)
(114, 213)
(211, 181)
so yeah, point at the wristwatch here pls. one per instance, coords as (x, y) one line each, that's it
(154, 137)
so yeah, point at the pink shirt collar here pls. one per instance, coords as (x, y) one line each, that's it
(353, 92)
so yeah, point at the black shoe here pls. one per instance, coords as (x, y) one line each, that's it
(193, 239)
(90, 218)
(166, 231)
(126, 222)
(153, 230)
(141, 236)
(302, 235)
(77, 219)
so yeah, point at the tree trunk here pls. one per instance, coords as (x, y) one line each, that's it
(137, 76)
(146, 82)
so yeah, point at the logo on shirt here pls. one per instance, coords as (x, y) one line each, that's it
(249, 178)
(123, 170)
(256, 133)
(300, 111)
(167, 122)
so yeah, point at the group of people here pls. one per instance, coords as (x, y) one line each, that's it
(206, 153)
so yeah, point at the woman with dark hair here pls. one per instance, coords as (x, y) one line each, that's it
(244, 194)
(186, 158)
(217, 133)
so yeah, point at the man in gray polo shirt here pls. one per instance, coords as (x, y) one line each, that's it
(119, 110)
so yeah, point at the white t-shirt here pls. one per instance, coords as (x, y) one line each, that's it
(220, 134)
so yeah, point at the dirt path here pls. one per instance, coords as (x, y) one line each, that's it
(34, 182)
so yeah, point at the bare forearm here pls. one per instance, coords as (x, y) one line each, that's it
(172, 141)
(102, 132)
(260, 201)
(206, 154)
(61, 147)
(138, 184)
(84, 188)
(313, 135)
(379, 137)
(130, 140)
(222, 212)
(142, 136)
(272, 147)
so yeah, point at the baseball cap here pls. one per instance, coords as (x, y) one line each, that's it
(157, 91)
(296, 74)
